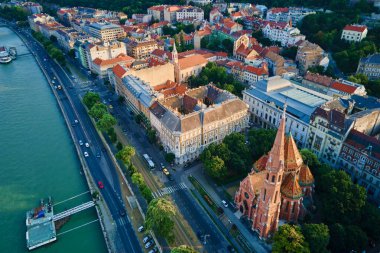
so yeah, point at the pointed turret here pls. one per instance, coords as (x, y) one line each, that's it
(293, 158)
(175, 53)
(276, 155)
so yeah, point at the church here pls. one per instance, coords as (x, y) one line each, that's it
(277, 187)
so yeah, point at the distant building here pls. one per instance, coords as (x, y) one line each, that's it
(106, 31)
(141, 49)
(188, 123)
(100, 66)
(103, 51)
(293, 14)
(190, 14)
(200, 2)
(354, 33)
(266, 101)
(142, 18)
(157, 12)
(282, 32)
(36, 20)
(370, 66)
(310, 55)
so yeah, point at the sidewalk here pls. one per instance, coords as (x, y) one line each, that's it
(258, 245)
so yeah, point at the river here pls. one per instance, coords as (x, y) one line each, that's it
(37, 158)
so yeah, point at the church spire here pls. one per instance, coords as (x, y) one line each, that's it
(276, 155)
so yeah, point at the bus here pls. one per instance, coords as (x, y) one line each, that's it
(149, 161)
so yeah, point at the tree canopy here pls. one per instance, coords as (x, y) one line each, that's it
(317, 235)
(183, 249)
(289, 239)
(98, 110)
(106, 122)
(159, 218)
(125, 154)
(90, 99)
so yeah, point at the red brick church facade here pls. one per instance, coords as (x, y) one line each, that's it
(276, 186)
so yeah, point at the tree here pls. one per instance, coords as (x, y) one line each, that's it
(317, 235)
(215, 167)
(90, 99)
(53, 39)
(310, 159)
(289, 239)
(183, 249)
(125, 154)
(169, 157)
(260, 141)
(152, 135)
(370, 221)
(356, 239)
(146, 193)
(342, 199)
(138, 179)
(337, 237)
(290, 52)
(98, 110)
(106, 122)
(159, 218)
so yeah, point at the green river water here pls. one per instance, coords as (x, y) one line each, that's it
(37, 158)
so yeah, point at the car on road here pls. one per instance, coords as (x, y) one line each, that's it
(86, 154)
(100, 184)
(162, 166)
(149, 244)
(81, 142)
(76, 121)
(141, 228)
(122, 212)
(147, 238)
(165, 171)
(87, 145)
(98, 155)
(154, 250)
(224, 203)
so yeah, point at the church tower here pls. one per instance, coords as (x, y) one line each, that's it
(265, 220)
(176, 63)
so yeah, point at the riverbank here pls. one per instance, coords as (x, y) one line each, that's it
(37, 158)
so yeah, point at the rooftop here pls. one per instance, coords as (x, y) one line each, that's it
(301, 102)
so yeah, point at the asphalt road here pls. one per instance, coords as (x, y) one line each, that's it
(102, 169)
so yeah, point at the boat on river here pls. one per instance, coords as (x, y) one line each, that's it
(7, 54)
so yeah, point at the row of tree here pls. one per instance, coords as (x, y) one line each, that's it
(219, 76)
(52, 50)
(233, 158)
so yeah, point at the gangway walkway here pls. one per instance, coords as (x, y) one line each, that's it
(76, 196)
(73, 210)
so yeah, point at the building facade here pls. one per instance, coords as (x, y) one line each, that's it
(266, 101)
(106, 31)
(370, 66)
(188, 123)
(354, 33)
(141, 49)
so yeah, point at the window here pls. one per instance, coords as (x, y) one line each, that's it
(275, 197)
(265, 193)
(273, 178)
(246, 195)
(267, 176)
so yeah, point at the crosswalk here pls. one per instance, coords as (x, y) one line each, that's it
(169, 190)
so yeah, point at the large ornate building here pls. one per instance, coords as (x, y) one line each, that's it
(276, 186)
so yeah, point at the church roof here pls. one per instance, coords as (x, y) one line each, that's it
(305, 176)
(256, 181)
(293, 158)
(290, 187)
(260, 164)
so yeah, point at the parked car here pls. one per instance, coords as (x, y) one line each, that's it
(224, 203)
(122, 212)
(149, 244)
(86, 154)
(165, 171)
(154, 250)
(80, 142)
(100, 184)
(147, 238)
(87, 145)
(141, 228)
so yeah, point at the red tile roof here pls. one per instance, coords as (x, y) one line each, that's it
(355, 28)
(278, 10)
(343, 87)
(120, 58)
(119, 71)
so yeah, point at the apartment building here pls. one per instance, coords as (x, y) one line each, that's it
(310, 55)
(188, 123)
(106, 31)
(354, 33)
(370, 66)
(141, 49)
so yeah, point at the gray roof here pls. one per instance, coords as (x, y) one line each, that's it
(373, 59)
(301, 102)
(102, 26)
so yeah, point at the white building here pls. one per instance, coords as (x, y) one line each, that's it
(354, 33)
(266, 101)
(283, 33)
(190, 13)
(104, 51)
(293, 14)
(106, 31)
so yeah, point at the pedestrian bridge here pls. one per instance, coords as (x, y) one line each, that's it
(73, 210)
